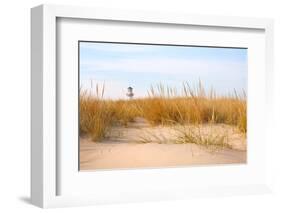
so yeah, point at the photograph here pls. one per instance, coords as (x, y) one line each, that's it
(144, 105)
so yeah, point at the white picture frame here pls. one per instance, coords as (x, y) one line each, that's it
(45, 170)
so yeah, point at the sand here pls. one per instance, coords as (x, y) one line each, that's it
(124, 148)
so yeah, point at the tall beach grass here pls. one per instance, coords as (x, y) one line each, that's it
(162, 106)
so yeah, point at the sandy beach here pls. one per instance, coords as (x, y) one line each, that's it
(124, 148)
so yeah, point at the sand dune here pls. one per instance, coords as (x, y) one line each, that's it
(122, 148)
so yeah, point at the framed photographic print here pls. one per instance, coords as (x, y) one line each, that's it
(149, 106)
(159, 105)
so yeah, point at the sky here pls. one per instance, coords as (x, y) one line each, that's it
(139, 66)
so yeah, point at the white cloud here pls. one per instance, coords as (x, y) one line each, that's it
(164, 65)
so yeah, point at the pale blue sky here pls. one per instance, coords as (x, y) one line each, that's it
(140, 66)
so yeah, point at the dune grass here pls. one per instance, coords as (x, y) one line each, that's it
(211, 140)
(162, 106)
(211, 136)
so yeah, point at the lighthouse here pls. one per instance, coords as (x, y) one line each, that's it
(130, 93)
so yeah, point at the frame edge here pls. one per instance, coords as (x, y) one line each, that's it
(37, 106)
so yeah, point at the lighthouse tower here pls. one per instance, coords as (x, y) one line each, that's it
(130, 93)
